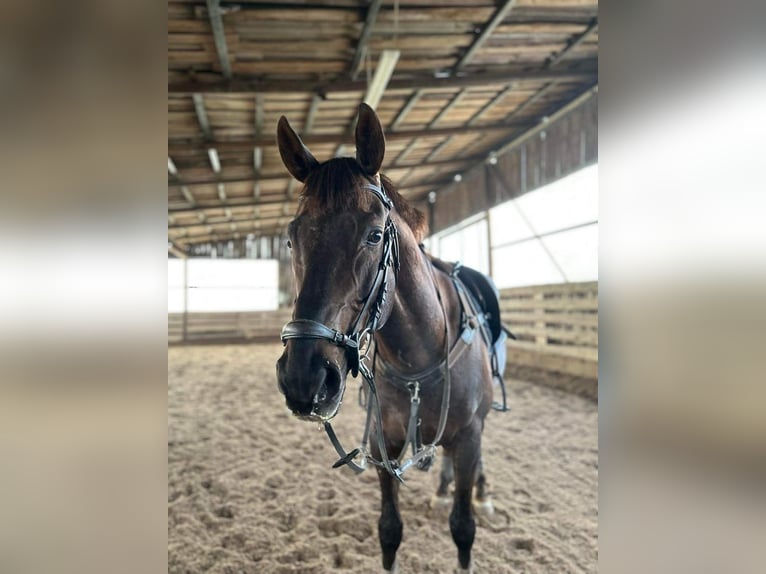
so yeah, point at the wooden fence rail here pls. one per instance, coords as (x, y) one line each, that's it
(557, 330)
(224, 327)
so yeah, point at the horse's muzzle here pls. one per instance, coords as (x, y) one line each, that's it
(313, 389)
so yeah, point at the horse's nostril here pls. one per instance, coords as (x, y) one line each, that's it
(322, 391)
(329, 385)
(331, 381)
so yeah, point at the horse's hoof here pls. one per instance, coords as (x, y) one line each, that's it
(394, 568)
(440, 502)
(484, 507)
(461, 570)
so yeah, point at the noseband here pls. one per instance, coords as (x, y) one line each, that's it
(357, 338)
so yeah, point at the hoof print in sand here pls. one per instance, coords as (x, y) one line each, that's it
(355, 527)
(326, 509)
(224, 512)
(527, 544)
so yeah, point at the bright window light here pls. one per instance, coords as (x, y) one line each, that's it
(525, 263)
(570, 201)
(223, 285)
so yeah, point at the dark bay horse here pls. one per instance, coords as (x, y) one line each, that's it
(361, 274)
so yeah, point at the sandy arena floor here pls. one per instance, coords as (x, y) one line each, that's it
(250, 488)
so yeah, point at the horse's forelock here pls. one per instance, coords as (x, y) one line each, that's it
(335, 186)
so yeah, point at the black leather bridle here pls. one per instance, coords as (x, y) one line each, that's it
(357, 335)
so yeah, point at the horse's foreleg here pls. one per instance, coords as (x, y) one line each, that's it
(466, 454)
(390, 523)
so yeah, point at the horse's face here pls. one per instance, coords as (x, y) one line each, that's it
(335, 260)
(335, 255)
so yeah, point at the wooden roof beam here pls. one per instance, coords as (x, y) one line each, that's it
(199, 108)
(227, 230)
(246, 144)
(499, 15)
(446, 109)
(406, 108)
(235, 203)
(491, 103)
(216, 24)
(573, 43)
(176, 250)
(364, 37)
(232, 203)
(311, 115)
(173, 171)
(283, 175)
(493, 75)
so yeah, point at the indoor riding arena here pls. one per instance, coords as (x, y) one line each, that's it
(489, 110)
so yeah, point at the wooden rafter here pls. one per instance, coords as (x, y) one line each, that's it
(446, 109)
(176, 182)
(174, 248)
(494, 75)
(406, 108)
(255, 177)
(573, 43)
(311, 114)
(347, 138)
(247, 202)
(216, 24)
(490, 104)
(361, 47)
(199, 108)
(499, 15)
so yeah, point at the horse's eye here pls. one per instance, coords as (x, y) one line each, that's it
(375, 236)
(289, 244)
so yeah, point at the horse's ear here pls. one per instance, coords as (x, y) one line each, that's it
(370, 143)
(296, 156)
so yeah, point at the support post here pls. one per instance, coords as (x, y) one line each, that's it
(185, 322)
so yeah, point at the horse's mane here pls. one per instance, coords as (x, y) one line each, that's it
(334, 186)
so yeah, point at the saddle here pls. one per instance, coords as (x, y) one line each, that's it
(484, 299)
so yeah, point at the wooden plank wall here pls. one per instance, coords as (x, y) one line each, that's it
(261, 326)
(565, 146)
(557, 331)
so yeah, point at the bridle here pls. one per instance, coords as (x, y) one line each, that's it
(357, 339)
(357, 342)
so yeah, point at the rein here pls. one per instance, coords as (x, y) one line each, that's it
(358, 342)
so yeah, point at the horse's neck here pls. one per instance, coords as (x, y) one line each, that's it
(413, 336)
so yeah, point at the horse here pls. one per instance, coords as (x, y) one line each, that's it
(364, 282)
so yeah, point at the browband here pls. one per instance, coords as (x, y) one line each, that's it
(378, 191)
